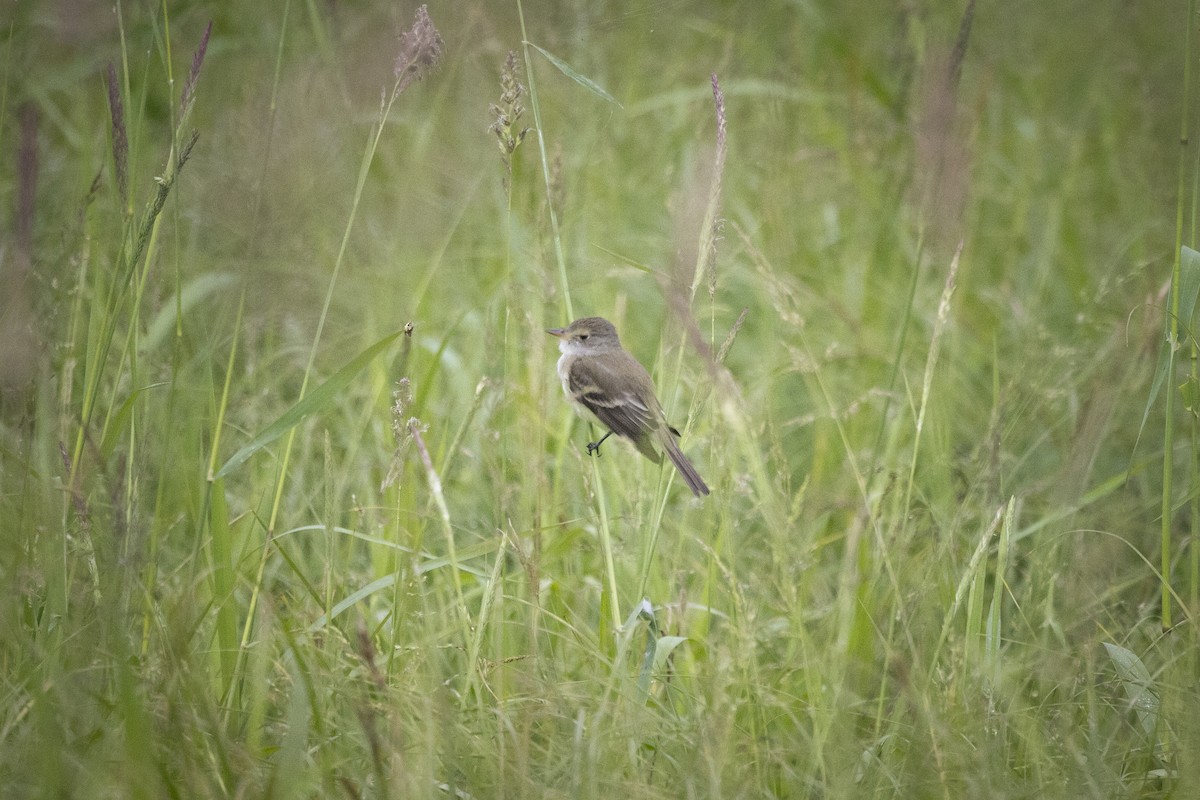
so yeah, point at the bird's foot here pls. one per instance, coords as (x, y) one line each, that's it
(594, 447)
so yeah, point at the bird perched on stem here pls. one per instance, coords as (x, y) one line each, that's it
(597, 373)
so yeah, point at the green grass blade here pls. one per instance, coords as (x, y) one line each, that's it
(995, 618)
(189, 296)
(371, 588)
(1138, 686)
(582, 80)
(315, 400)
(1189, 289)
(222, 584)
(1189, 284)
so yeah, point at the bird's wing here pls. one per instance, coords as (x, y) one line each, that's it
(624, 413)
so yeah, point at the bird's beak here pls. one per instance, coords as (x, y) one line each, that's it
(556, 332)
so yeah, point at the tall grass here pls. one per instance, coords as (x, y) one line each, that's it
(292, 504)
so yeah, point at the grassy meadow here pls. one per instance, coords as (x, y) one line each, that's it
(292, 504)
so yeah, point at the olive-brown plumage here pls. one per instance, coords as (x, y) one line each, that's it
(601, 376)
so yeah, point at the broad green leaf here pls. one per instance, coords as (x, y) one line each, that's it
(1139, 686)
(1189, 393)
(663, 649)
(1189, 285)
(647, 670)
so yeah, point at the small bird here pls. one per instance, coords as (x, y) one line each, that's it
(597, 373)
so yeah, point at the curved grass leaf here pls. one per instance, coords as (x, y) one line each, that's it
(314, 401)
(1189, 288)
(163, 324)
(582, 80)
(377, 585)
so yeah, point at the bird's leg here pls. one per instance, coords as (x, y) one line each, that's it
(594, 447)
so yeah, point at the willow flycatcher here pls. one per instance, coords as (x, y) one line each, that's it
(597, 373)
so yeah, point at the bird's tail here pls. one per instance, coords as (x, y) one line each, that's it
(690, 476)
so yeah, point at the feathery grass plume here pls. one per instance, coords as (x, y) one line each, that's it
(366, 709)
(18, 340)
(714, 198)
(189, 86)
(29, 120)
(415, 427)
(421, 49)
(507, 113)
(697, 256)
(120, 140)
(164, 182)
(729, 337)
(556, 183)
(402, 400)
(83, 521)
(942, 151)
(174, 166)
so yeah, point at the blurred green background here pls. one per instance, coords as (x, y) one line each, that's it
(934, 562)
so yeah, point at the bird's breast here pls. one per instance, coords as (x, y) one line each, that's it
(564, 365)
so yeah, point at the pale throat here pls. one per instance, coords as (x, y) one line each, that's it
(571, 349)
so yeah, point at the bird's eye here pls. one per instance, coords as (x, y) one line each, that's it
(583, 337)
